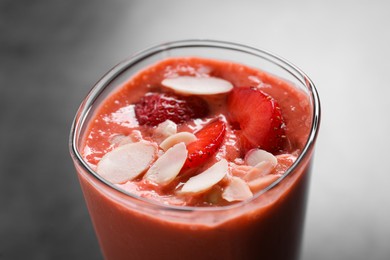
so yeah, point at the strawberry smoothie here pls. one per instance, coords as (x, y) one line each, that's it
(197, 158)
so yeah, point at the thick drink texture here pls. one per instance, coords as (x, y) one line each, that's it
(268, 226)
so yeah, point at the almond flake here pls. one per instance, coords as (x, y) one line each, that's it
(185, 137)
(206, 179)
(262, 182)
(256, 156)
(259, 170)
(237, 190)
(165, 129)
(126, 162)
(198, 85)
(119, 140)
(168, 166)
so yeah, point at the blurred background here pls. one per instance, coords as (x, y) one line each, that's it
(52, 52)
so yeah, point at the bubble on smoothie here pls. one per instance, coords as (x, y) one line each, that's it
(126, 162)
(198, 85)
(254, 79)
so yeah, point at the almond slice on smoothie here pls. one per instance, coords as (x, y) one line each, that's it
(256, 156)
(127, 161)
(165, 129)
(167, 166)
(262, 182)
(263, 164)
(119, 139)
(207, 179)
(185, 137)
(284, 162)
(198, 85)
(237, 190)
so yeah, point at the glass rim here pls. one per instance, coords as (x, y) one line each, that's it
(111, 75)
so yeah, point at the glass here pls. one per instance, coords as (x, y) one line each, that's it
(268, 226)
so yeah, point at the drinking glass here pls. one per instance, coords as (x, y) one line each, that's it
(267, 226)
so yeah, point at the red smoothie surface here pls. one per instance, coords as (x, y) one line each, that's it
(265, 226)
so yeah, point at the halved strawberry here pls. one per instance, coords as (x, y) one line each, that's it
(209, 139)
(257, 119)
(155, 108)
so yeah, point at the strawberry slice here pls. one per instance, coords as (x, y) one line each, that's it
(208, 141)
(257, 119)
(155, 108)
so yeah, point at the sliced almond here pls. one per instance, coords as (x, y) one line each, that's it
(134, 137)
(119, 140)
(206, 179)
(237, 190)
(255, 156)
(168, 166)
(259, 170)
(265, 167)
(185, 137)
(165, 129)
(239, 170)
(262, 163)
(262, 182)
(126, 162)
(198, 85)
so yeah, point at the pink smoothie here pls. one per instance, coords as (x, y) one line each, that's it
(156, 222)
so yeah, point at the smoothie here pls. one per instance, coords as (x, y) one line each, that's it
(191, 160)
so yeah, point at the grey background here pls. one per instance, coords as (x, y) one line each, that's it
(52, 52)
